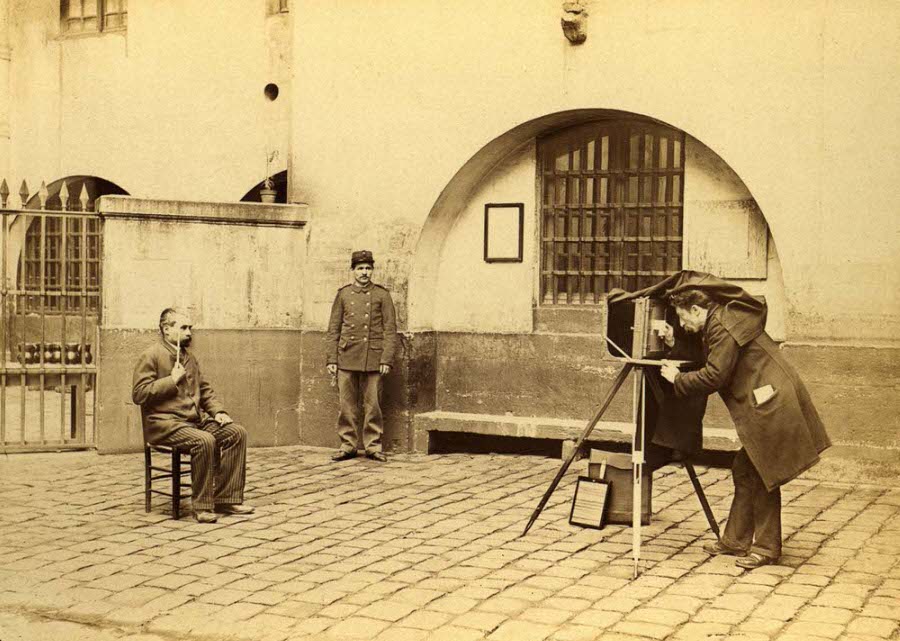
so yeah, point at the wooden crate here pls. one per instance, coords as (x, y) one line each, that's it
(619, 475)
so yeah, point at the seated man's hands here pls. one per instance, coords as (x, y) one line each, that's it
(177, 372)
(669, 371)
(332, 368)
(223, 419)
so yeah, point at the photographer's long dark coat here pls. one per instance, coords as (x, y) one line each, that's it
(783, 436)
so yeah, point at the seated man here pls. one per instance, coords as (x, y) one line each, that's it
(178, 407)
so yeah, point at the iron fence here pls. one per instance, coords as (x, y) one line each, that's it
(50, 250)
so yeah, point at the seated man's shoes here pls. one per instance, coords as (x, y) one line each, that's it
(754, 560)
(205, 516)
(235, 509)
(343, 456)
(376, 456)
(717, 548)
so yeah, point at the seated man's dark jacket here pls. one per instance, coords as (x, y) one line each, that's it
(166, 407)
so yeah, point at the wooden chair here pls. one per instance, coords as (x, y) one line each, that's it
(178, 468)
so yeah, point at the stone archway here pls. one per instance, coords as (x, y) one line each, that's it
(77, 186)
(716, 192)
(519, 366)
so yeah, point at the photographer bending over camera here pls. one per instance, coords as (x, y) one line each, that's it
(780, 431)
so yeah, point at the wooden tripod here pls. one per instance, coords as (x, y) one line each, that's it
(641, 382)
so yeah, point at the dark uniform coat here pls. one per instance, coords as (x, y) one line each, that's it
(362, 331)
(166, 407)
(782, 436)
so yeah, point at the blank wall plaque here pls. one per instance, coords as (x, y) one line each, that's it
(589, 503)
(503, 232)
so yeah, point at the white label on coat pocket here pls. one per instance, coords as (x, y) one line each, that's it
(763, 394)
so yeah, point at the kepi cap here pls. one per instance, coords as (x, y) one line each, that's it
(362, 256)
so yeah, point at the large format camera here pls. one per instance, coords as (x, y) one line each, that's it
(633, 326)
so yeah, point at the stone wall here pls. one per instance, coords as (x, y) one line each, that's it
(237, 270)
(171, 107)
(427, 100)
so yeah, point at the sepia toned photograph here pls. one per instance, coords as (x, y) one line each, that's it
(430, 320)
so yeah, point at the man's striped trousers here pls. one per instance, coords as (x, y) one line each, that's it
(218, 462)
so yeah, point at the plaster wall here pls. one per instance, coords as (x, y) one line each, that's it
(792, 97)
(4, 87)
(473, 295)
(724, 229)
(227, 276)
(172, 107)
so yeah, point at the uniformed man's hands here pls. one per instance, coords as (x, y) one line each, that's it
(177, 372)
(385, 370)
(223, 419)
(669, 371)
(332, 368)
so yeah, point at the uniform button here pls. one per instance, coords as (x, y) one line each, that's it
(353, 326)
(365, 326)
(367, 293)
(365, 339)
(367, 315)
(367, 304)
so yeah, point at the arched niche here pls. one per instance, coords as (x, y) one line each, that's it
(279, 184)
(721, 220)
(92, 187)
(24, 226)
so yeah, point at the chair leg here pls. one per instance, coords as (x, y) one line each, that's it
(176, 483)
(147, 478)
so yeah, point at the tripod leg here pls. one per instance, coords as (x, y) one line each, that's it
(617, 383)
(701, 495)
(637, 467)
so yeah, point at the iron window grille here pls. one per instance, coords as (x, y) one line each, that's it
(275, 7)
(611, 208)
(81, 269)
(92, 16)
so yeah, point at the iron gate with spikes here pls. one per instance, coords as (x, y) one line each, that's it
(49, 314)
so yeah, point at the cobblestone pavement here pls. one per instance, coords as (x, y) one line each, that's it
(427, 547)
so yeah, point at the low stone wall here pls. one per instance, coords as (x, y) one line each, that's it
(546, 380)
(254, 372)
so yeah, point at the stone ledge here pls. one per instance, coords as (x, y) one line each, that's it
(222, 213)
(544, 428)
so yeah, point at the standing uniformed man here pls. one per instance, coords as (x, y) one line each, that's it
(362, 341)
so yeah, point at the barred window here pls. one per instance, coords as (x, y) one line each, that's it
(61, 251)
(611, 208)
(80, 268)
(278, 6)
(91, 16)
